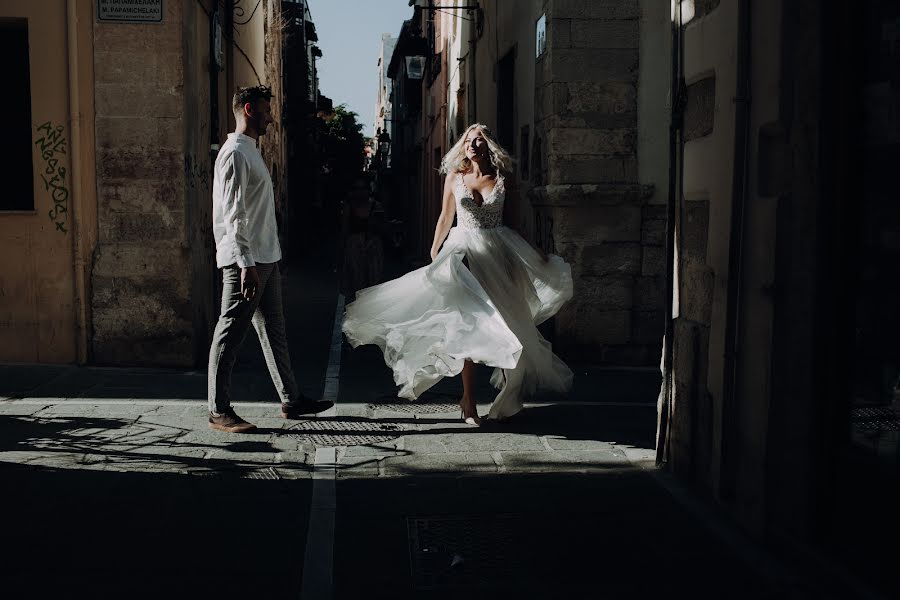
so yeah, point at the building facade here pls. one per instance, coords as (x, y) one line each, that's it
(577, 92)
(782, 377)
(122, 113)
(383, 114)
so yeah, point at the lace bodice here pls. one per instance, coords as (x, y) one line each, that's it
(488, 214)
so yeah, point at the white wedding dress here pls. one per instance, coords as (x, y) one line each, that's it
(429, 321)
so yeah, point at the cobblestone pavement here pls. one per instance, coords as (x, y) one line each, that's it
(115, 487)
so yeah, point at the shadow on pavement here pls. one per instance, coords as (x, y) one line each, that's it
(616, 535)
(98, 534)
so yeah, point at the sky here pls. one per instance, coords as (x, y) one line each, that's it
(350, 39)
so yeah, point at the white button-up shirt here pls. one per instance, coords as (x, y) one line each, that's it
(244, 223)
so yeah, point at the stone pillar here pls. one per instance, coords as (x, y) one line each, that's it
(589, 205)
(142, 273)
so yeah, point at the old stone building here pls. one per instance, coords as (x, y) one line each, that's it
(782, 378)
(127, 106)
(577, 91)
(743, 153)
(384, 119)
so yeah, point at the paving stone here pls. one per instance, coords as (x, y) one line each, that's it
(557, 462)
(358, 466)
(214, 438)
(369, 450)
(294, 459)
(13, 408)
(242, 458)
(285, 443)
(55, 459)
(423, 444)
(487, 442)
(565, 444)
(18, 380)
(176, 410)
(426, 464)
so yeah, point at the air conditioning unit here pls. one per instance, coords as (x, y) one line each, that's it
(415, 67)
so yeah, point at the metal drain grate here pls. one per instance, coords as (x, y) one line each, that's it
(471, 552)
(416, 408)
(430, 404)
(875, 419)
(236, 473)
(267, 473)
(326, 433)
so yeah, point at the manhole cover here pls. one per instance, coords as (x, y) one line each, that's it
(468, 551)
(430, 404)
(875, 419)
(322, 432)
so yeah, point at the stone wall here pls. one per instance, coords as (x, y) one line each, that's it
(590, 205)
(272, 145)
(145, 298)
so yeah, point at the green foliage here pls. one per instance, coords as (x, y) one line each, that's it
(343, 143)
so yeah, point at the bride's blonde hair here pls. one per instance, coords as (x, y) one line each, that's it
(455, 160)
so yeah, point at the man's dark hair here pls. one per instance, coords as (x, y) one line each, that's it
(251, 95)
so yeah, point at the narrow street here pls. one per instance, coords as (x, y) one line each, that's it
(109, 475)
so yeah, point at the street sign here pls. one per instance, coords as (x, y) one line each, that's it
(130, 11)
(540, 36)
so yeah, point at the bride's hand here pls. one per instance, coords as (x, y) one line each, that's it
(433, 255)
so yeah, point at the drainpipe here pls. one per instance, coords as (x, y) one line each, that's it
(81, 231)
(214, 20)
(730, 420)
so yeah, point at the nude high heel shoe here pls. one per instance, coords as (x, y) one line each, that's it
(473, 420)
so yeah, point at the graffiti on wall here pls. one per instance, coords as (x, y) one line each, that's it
(195, 173)
(52, 144)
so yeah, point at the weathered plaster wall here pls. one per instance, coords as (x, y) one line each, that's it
(703, 241)
(250, 35)
(719, 444)
(37, 291)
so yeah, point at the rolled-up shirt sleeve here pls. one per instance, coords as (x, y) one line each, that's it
(234, 209)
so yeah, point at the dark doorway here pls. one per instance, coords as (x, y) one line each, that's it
(506, 105)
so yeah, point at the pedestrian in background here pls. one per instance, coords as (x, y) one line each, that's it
(362, 249)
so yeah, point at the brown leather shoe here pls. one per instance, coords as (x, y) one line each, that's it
(230, 422)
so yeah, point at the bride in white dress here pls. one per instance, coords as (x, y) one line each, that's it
(479, 300)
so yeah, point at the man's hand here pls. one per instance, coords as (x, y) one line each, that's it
(249, 282)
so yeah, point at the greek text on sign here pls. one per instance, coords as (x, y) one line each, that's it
(130, 11)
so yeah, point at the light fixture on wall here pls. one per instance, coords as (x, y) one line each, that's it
(683, 11)
(415, 67)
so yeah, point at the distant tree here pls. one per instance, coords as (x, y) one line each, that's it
(344, 144)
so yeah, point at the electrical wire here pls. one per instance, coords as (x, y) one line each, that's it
(454, 14)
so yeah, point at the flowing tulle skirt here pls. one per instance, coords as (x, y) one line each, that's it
(480, 300)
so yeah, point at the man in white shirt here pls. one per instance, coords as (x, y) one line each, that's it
(247, 251)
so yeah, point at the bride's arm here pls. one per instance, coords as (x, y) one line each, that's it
(445, 221)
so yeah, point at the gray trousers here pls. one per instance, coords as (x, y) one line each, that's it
(266, 313)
